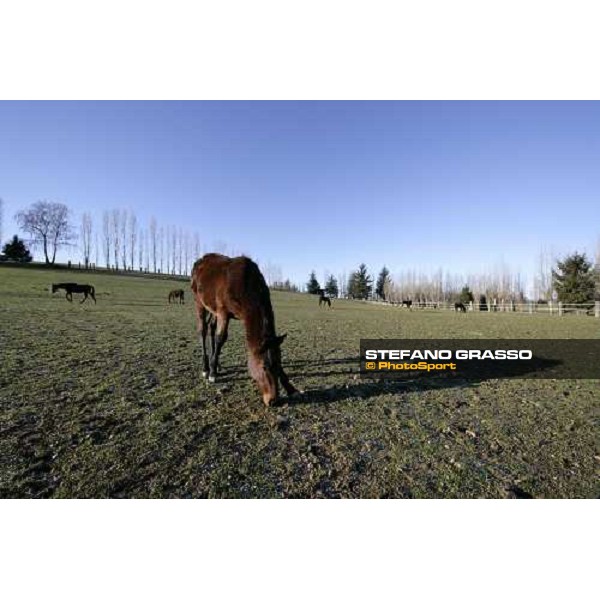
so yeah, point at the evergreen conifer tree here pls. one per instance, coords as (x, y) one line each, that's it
(573, 279)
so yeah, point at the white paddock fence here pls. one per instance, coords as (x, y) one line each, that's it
(494, 306)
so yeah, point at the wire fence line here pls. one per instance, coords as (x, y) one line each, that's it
(549, 308)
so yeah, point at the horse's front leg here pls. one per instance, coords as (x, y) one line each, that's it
(212, 330)
(222, 323)
(202, 316)
(84, 298)
(290, 390)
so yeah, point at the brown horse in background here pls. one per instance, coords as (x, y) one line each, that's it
(177, 295)
(323, 299)
(234, 288)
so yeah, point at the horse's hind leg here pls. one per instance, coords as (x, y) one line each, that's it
(85, 295)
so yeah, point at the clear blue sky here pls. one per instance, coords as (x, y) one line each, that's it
(322, 185)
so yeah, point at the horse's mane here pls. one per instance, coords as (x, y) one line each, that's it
(255, 281)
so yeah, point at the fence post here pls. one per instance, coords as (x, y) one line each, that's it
(530, 308)
(560, 309)
(550, 306)
(471, 305)
(597, 309)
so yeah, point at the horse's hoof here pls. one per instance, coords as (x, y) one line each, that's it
(269, 401)
(212, 379)
(205, 374)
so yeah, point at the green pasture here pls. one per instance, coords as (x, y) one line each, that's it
(106, 400)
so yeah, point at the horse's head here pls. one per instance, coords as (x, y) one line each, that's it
(265, 368)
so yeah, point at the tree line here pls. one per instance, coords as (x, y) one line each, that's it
(573, 279)
(119, 242)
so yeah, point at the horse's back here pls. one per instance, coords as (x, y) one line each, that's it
(77, 288)
(224, 283)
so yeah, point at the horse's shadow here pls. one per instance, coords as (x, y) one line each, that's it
(239, 371)
(364, 387)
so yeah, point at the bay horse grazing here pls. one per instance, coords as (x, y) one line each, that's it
(177, 295)
(407, 303)
(459, 306)
(234, 288)
(75, 288)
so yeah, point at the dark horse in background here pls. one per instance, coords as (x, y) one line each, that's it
(234, 288)
(323, 299)
(75, 288)
(460, 307)
(407, 303)
(177, 295)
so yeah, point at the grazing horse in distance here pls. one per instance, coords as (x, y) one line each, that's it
(459, 306)
(234, 288)
(75, 288)
(177, 295)
(407, 303)
(323, 299)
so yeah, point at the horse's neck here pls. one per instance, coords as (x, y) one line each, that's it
(260, 326)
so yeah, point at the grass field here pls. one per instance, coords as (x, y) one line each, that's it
(107, 400)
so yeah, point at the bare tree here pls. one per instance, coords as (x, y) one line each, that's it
(174, 249)
(116, 238)
(147, 252)
(272, 273)
(106, 237)
(96, 248)
(180, 250)
(597, 269)
(132, 238)
(141, 249)
(86, 237)
(48, 223)
(197, 246)
(123, 234)
(168, 249)
(186, 252)
(161, 238)
(153, 242)
(543, 277)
